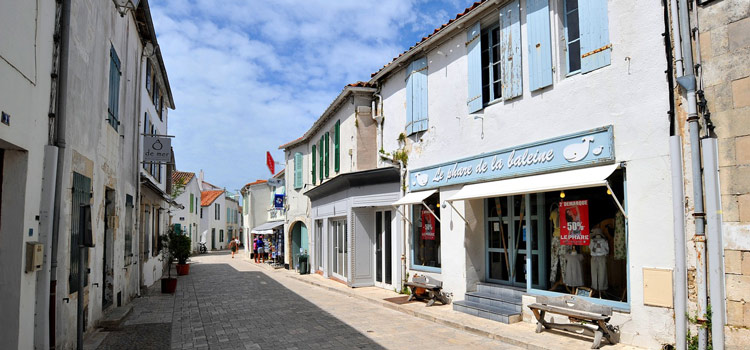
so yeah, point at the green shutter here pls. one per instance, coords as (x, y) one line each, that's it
(327, 149)
(337, 146)
(320, 159)
(314, 160)
(192, 199)
(298, 170)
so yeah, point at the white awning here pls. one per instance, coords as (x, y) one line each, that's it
(267, 228)
(564, 180)
(414, 198)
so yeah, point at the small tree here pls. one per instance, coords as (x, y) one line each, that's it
(168, 247)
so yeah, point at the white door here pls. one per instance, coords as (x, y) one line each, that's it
(339, 248)
(383, 251)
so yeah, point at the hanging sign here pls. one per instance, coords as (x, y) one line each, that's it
(270, 163)
(278, 201)
(587, 148)
(574, 222)
(275, 182)
(157, 149)
(428, 225)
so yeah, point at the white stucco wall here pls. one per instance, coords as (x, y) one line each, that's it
(630, 94)
(298, 205)
(187, 219)
(209, 222)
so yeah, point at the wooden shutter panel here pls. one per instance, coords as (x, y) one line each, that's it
(327, 149)
(595, 45)
(320, 158)
(420, 117)
(510, 50)
(192, 198)
(337, 146)
(409, 101)
(540, 50)
(298, 170)
(474, 58)
(314, 160)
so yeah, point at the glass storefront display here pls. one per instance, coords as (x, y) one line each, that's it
(425, 249)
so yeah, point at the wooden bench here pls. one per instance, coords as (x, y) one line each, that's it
(586, 318)
(432, 287)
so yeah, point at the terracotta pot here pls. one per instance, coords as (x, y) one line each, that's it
(168, 285)
(183, 269)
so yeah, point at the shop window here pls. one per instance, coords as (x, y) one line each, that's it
(425, 248)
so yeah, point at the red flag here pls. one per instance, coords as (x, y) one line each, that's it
(270, 163)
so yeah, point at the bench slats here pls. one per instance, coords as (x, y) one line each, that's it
(569, 312)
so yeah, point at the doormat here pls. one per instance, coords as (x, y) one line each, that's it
(398, 300)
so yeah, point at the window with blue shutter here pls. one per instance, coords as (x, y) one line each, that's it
(337, 146)
(491, 64)
(114, 88)
(416, 96)
(594, 25)
(510, 50)
(572, 36)
(474, 58)
(540, 50)
(327, 156)
(298, 170)
(314, 160)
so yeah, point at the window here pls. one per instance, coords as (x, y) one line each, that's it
(229, 215)
(156, 242)
(298, 171)
(146, 229)
(148, 75)
(192, 198)
(572, 36)
(114, 88)
(129, 206)
(425, 249)
(147, 127)
(312, 164)
(586, 35)
(491, 65)
(416, 96)
(217, 211)
(201, 209)
(81, 196)
(160, 109)
(336, 146)
(155, 95)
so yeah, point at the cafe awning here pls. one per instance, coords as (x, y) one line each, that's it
(267, 228)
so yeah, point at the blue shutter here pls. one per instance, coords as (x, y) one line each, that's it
(540, 51)
(114, 88)
(594, 24)
(298, 170)
(409, 101)
(510, 50)
(419, 95)
(474, 58)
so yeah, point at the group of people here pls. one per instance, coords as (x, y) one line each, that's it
(259, 249)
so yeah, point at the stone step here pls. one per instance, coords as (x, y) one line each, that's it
(485, 298)
(504, 292)
(113, 318)
(499, 314)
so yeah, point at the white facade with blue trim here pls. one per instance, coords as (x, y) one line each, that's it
(516, 90)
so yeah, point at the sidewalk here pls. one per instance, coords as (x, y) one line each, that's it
(520, 334)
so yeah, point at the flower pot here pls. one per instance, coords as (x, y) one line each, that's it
(168, 285)
(183, 269)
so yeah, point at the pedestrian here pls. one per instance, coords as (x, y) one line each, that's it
(233, 246)
(261, 249)
(255, 249)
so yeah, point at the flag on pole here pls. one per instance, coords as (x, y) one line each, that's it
(270, 163)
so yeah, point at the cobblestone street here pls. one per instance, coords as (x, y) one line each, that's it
(231, 304)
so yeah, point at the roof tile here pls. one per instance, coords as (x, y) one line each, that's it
(208, 197)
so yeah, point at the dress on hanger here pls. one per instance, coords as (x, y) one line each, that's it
(599, 251)
(573, 272)
(557, 251)
(620, 239)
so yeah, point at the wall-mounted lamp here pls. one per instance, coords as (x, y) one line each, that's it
(562, 194)
(149, 50)
(123, 6)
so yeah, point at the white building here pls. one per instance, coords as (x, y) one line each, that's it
(506, 126)
(262, 214)
(232, 217)
(213, 224)
(355, 235)
(186, 217)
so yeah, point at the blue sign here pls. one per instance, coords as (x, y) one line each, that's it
(586, 148)
(278, 201)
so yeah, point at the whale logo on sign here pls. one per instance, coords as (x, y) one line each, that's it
(578, 151)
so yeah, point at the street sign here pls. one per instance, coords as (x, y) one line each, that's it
(275, 182)
(157, 149)
(278, 201)
(271, 164)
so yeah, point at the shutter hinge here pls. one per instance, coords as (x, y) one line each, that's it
(472, 39)
(608, 46)
(473, 98)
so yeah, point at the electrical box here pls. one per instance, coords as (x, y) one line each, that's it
(34, 256)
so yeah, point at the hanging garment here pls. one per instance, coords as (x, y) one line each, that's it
(573, 275)
(599, 272)
(557, 255)
(598, 244)
(620, 239)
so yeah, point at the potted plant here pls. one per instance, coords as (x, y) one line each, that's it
(182, 245)
(167, 246)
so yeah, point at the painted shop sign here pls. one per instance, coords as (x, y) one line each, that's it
(572, 151)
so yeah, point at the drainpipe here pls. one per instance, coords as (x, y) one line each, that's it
(688, 82)
(404, 277)
(378, 118)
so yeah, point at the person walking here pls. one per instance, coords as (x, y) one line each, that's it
(255, 249)
(233, 246)
(261, 250)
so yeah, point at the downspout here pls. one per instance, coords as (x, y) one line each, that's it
(404, 277)
(137, 171)
(678, 183)
(688, 82)
(378, 118)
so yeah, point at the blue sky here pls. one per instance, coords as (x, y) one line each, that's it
(250, 75)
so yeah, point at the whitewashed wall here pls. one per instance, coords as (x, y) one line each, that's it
(184, 217)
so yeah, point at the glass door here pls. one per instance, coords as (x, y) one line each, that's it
(339, 249)
(383, 273)
(319, 245)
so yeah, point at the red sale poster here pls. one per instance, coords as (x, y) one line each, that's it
(574, 222)
(428, 225)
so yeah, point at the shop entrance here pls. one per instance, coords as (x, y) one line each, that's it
(339, 248)
(383, 273)
(299, 242)
(514, 224)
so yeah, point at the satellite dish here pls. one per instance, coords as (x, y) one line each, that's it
(149, 49)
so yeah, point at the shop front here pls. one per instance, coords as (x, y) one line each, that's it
(545, 218)
(355, 231)
(272, 234)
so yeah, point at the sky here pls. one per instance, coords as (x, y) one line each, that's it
(250, 75)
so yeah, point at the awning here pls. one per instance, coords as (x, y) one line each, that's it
(564, 180)
(267, 228)
(413, 198)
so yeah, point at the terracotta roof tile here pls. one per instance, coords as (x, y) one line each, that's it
(466, 11)
(208, 197)
(182, 177)
(256, 182)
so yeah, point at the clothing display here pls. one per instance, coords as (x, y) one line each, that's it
(556, 250)
(620, 239)
(599, 272)
(573, 273)
(598, 244)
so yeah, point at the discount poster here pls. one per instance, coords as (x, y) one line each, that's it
(574, 222)
(428, 225)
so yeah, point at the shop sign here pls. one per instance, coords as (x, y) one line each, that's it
(157, 149)
(278, 201)
(574, 222)
(582, 149)
(428, 225)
